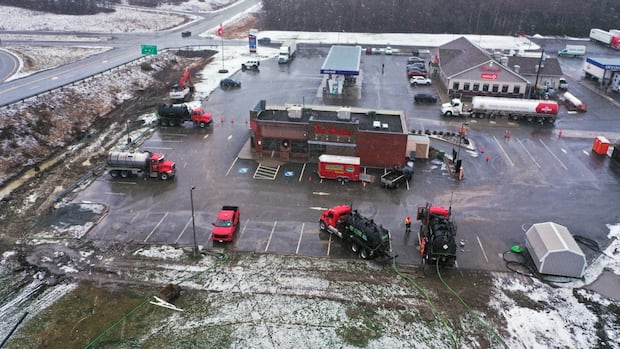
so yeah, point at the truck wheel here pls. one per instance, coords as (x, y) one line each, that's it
(355, 247)
(448, 113)
(124, 173)
(163, 176)
(202, 124)
(114, 173)
(322, 225)
(364, 253)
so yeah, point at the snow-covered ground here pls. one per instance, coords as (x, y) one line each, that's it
(285, 302)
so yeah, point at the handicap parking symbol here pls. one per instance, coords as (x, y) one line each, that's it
(289, 173)
(242, 170)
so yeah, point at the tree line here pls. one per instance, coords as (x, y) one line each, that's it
(67, 7)
(485, 17)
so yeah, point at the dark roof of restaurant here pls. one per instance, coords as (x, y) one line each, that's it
(364, 119)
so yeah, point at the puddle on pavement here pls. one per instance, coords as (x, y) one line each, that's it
(608, 285)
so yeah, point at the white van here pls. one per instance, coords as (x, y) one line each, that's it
(573, 50)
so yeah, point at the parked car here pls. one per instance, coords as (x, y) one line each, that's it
(388, 50)
(424, 98)
(228, 82)
(412, 60)
(264, 41)
(186, 34)
(420, 65)
(368, 50)
(414, 71)
(420, 80)
(251, 64)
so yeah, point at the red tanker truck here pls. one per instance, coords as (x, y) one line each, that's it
(153, 165)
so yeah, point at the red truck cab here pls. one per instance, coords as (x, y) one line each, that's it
(226, 224)
(201, 117)
(333, 217)
(161, 167)
(342, 168)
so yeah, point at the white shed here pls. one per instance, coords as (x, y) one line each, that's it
(554, 250)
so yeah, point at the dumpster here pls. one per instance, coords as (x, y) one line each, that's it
(601, 145)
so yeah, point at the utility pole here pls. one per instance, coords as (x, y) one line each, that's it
(540, 66)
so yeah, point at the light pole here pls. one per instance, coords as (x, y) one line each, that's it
(462, 133)
(458, 164)
(191, 198)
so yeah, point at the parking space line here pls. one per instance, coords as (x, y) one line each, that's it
(231, 166)
(301, 233)
(301, 175)
(528, 153)
(245, 226)
(113, 193)
(503, 151)
(206, 136)
(271, 235)
(157, 226)
(482, 248)
(183, 231)
(549, 150)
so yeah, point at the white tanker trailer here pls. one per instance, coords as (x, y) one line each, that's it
(127, 164)
(513, 108)
(574, 103)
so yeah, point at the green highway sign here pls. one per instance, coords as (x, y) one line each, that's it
(149, 49)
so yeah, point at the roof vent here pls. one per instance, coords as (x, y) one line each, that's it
(517, 68)
(294, 112)
(384, 125)
(344, 113)
(376, 124)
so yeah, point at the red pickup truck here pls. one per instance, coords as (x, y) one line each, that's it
(226, 224)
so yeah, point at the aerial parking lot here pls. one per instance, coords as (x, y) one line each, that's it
(535, 174)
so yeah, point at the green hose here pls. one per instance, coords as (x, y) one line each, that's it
(436, 312)
(469, 309)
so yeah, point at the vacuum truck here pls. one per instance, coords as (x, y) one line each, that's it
(437, 244)
(152, 165)
(177, 114)
(365, 236)
(513, 108)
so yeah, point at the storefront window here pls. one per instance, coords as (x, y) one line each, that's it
(516, 89)
(466, 86)
(504, 88)
(485, 87)
(455, 86)
(495, 88)
(476, 87)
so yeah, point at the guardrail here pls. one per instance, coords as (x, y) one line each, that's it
(101, 73)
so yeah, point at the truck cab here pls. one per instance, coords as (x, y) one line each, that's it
(455, 107)
(226, 224)
(161, 167)
(201, 118)
(332, 218)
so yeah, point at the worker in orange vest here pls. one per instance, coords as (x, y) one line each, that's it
(407, 225)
